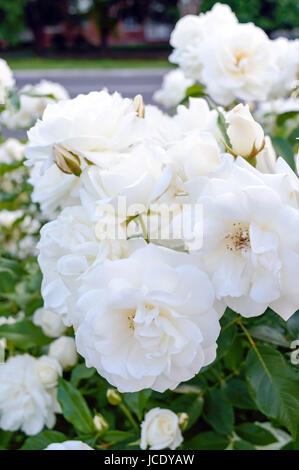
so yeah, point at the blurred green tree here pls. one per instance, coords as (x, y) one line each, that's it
(268, 14)
(12, 20)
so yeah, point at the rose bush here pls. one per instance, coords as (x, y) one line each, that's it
(155, 253)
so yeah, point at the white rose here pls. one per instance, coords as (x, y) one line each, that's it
(50, 322)
(161, 306)
(245, 134)
(173, 90)
(286, 54)
(160, 430)
(64, 351)
(68, 248)
(48, 370)
(238, 64)
(69, 445)
(25, 403)
(88, 125)
(251, 234)
(190, 33)
(7, 80)
(11, 151)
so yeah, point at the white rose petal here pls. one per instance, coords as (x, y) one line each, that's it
(69, 445)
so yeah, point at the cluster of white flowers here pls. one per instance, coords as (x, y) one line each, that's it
(11, 151)
(28, 389)
(143, 294)
(233, 60)
(157, 223)
(33, 101)
(7, 81)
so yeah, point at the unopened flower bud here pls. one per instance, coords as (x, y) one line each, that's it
(139, 106)
(100, 423)
(246, 135)
(67, 161)
(64, 351)
(183, 420)
(113, 397)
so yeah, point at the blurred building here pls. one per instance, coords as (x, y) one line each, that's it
(71, 23)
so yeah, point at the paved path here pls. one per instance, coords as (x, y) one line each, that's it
(128, 82)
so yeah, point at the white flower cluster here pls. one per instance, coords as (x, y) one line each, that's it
(233, 60)
(33, 101)
(28, 389)
(145, 292)
(7, 81)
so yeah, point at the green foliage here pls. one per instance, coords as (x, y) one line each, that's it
(74, 407)
(24, 335)
(274, 386)
(12, 20)
(42, 440)
(267, 14)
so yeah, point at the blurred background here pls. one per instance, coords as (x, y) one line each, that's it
(119, 28)
(120, 44)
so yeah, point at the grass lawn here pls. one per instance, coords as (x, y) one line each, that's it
(31, 63)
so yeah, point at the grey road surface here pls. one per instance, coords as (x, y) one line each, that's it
(128, 82)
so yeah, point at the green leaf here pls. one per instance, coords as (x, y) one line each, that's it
(284, 149)
(116, 436)
(219, 412)
(274, 386)
(74, 407)
(137, 401)
(42, 440)
(255, 434)
(14, 99)
(8, 167)
(7, 280)
(283, 117)
(234, 355)
(241, 444)
(81, 372)
(227, 335)
(194, 91)
(222, 124)
(24, 334)
(192, 404)
(207, 441)
(5, 438)
(269, 334)
(237, 392)
(294, 136)
(293, 325)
